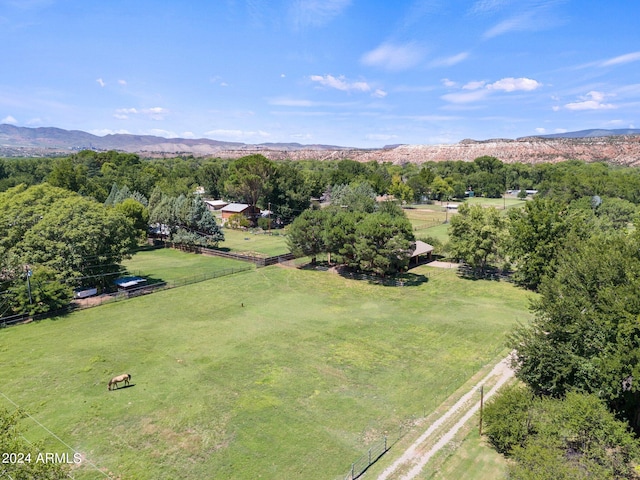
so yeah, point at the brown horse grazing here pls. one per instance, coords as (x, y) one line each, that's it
(125, 377)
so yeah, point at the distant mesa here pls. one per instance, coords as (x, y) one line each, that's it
(621, 147)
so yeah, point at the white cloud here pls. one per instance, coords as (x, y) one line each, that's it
(9, 119)
(448, 83)
(188, 135)
(342, 84)
(474, 85)
(466, 97)
(527, 16)
(155, 113)
(122, 82)
(627, 58)
(101, 82)
(316, 13)
(291, 102)
(477, 90)
(394, 57)
(541, 131)
(450, 61)
(511, 84)
(591, 101)
(488, 6)
(237, 134)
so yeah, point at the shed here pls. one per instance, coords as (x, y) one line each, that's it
(248, 211)
(126, 283)
(422, 250)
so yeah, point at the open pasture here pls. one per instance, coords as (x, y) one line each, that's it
(244, 241)
(172, 265)
(500, 203)
(422, 216)
(272, 373)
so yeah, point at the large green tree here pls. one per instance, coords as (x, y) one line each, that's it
(250, 179)
(585, 335)
(537, 234)
(187, 219)
(571, 438)
(306, 235)
(476, 235)
(62, 237)
(384, 244)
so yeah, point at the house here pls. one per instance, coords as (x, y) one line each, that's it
(231, 209)
(422, 250)
(215, 205)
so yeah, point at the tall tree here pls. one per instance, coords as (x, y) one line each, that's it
(537, 233)
(585, 334)
(250, 179)
(476, 235)
(306, 235)
(384, 244)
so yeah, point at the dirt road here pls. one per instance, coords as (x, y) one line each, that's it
(422, 450)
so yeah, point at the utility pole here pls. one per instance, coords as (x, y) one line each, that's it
(29, 273)
(481, 407)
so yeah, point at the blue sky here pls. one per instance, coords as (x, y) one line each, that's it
(343, 72)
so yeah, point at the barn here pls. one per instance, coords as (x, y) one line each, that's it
(251, 212)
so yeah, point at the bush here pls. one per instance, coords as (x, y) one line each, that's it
(507, 422)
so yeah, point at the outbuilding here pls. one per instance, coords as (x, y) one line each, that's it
(423, 250)
(248, 211)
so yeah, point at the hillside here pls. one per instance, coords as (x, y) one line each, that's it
(620, 147)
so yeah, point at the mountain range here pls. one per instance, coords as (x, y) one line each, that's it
(613, 146)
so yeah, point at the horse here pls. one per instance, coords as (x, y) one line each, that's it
(125, 377)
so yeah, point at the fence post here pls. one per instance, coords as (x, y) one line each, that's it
(353, 469)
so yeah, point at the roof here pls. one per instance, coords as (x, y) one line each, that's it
(235, 207)
(422, 248)
(216, 203)
(126, 282)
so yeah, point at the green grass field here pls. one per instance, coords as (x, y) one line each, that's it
(510, 202)
(258, 244)
(295, 384)
(172, 265)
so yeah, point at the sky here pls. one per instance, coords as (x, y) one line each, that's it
(358, 73)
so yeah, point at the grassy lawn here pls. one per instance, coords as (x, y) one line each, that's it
(170, 265)
(471, 458)
(499, 203)
(258, 244)
(422, 215)
(294, 384)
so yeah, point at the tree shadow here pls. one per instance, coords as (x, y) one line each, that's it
(490, 273)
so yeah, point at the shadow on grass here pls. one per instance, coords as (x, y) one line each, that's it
(490, 273)
(399, 280)
(131, 385)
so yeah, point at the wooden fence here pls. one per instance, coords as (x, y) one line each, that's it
(257, 260)
(89, 302)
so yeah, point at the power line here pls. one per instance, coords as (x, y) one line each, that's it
(54, 435)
